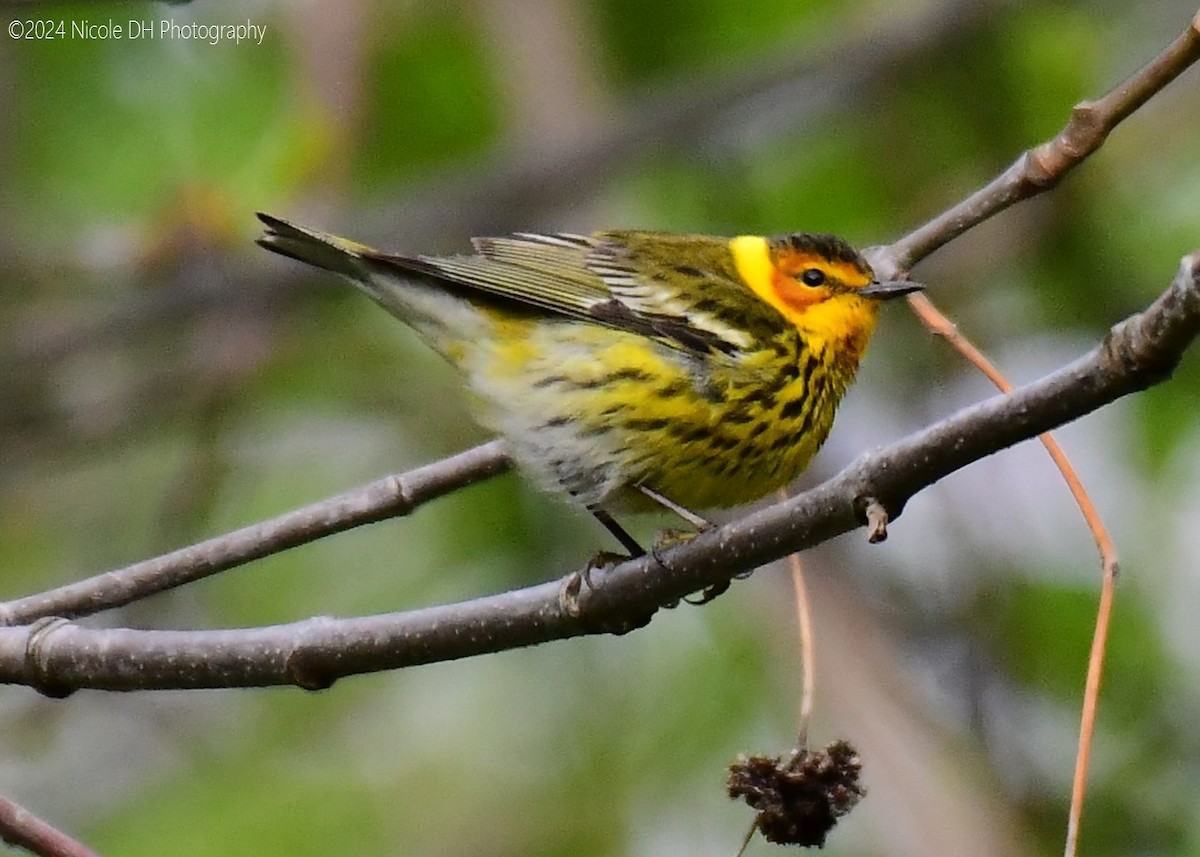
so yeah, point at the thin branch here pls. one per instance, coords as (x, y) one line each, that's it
(808, 657)
(22, 829)
(748, 838)
(1040, 168)
(1091, 699)
(937, 322)
(389, 497)
(808, 672)
(56, 656)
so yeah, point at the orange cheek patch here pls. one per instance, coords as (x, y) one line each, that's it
(794, 294)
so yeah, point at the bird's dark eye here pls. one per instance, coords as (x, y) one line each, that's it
(813, 277)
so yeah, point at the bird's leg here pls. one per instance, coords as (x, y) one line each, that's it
(701, 524)
(671, 536)
(574, 583)
(627, 541)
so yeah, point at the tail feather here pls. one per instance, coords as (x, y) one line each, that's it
(415, 296)
(313, 247)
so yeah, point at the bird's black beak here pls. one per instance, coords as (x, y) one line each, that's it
(889, 289)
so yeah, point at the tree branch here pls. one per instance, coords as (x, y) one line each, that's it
(1040, 168)
(56, 656)
(389, 497)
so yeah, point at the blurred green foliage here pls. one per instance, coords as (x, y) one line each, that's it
(162, 380)
(680, 38)
(115, 129)
(437, 95)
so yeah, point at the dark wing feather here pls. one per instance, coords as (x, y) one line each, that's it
(591, 278)
(542, 271)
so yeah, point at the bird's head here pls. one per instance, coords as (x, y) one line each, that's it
(819, 283)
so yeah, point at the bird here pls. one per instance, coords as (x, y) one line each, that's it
(627, 369)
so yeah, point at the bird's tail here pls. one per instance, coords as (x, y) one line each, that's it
(313, 247)
(396, 283)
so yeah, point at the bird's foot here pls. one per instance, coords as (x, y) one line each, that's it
(671, 538)
(571, 590)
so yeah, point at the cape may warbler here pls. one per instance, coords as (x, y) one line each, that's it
(696, 371)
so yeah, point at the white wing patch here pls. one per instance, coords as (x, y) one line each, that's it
(645, 297)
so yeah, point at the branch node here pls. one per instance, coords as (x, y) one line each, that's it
(1044, 165)
(1118, 352)
(1085, 132)
(876, 517)
(37, 658)
(577, 586)
(304, 671)
(1138, 346)
(403, 501)
(569, 591)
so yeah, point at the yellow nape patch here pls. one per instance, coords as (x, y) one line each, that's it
(841, 319)
(752, 256)
(779, 288)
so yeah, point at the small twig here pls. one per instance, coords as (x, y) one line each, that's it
(389, 497)
(1091, 697)
(808, 670)
(937, 322)
(877, 521)
(748, 838)
(22, 829)
(808, 658)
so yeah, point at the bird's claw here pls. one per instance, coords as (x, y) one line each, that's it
(571, 590)
(707, 594)
(671, 538)
(668, 539)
